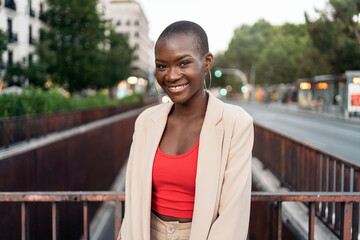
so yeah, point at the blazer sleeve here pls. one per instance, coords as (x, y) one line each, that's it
(234, 206)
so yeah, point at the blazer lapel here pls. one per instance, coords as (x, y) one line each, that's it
(208, 170)
(153, 133)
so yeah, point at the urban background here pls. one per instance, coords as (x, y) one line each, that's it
(75, 74)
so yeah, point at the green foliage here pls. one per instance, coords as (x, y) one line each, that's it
(247, 43)
(15, 74)
(32, 101)
(115, 62)
(75, 32)
(3, 44)
(282, 54)
(322, 32)
(36, 101)
(335, 42)
(75, 52)
(136, 97)
(277, 52)
(39, 71)
(345, 10)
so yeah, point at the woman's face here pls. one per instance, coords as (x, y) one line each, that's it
(180, 69)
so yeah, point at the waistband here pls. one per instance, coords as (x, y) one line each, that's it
(164, 226)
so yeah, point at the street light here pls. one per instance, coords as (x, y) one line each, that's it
(218, 73)
(233, 71)
(244, 89)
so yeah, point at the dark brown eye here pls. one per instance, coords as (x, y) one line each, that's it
(160, 66)
(184, 63)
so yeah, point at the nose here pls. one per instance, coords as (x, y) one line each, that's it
(174, 74)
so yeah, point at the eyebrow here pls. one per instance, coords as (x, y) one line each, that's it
(176, 60)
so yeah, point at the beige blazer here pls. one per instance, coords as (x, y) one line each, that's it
(223, 178)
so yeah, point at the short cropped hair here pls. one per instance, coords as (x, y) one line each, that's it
(189, 29)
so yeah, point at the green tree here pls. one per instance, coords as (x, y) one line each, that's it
(247, 43)
(115, 60)
(75, 33)
(3, 44)
(74, 51)
(306, 58)
(345, 10)
(15, 74)
(39, 71)
(335, 44)
(279, 61)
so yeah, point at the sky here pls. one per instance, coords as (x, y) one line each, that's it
(220, 18)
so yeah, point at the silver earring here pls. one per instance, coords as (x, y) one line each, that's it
(209, 82)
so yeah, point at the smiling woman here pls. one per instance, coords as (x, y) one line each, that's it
(180, 69)
(189, 169)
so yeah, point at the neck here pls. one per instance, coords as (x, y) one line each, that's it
(193, 109)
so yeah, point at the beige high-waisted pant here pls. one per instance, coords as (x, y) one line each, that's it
(162, 230)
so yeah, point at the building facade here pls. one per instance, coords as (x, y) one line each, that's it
(21, 21)
(128, 18)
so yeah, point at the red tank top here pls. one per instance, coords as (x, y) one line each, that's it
(173, 183)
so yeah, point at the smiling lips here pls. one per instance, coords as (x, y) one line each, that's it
(178, 88)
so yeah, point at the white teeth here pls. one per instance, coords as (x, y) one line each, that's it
(177, 87)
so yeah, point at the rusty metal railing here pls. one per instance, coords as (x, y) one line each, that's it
(345, 200)
(302, 167)
(25, 198)
(23, 128)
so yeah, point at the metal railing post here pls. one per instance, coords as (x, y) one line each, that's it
(346, 214)
(86, 221)
(311, 221)
(24, 221)
(279, 220)
(118, 217)
(55, 221)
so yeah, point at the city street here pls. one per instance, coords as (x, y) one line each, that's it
(338, 136)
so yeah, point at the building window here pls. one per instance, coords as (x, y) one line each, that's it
(136, 34)
(135, 57)
(10, 57)
(41, 13)
(12, 36)
(9, 26)
(31, 10)
(10, 4)
(128, 22)
(136, 46)
(118, 23)
(136, 22)
(31, 39)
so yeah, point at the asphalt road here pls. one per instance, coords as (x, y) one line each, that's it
(338, 136)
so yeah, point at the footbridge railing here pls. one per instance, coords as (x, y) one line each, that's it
(345, 200)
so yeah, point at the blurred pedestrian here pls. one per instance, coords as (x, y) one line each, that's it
(189, 168)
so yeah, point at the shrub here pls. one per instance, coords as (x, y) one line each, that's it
(36, 101)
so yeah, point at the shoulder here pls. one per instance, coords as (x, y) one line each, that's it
(236, 113)
(230, 112)
(151, 112)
